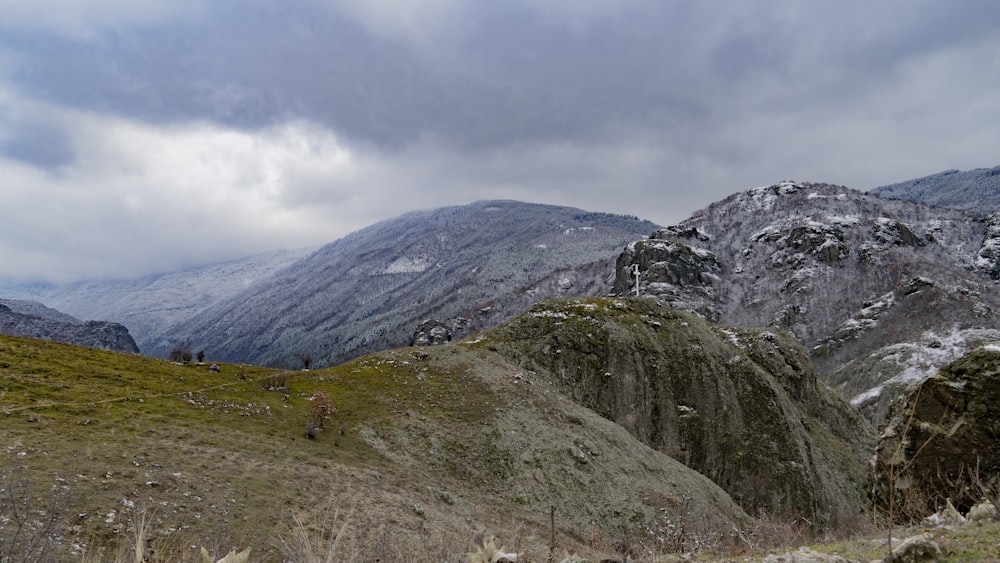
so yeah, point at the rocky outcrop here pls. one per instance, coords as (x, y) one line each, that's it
(431, 333)
(103, 335)
(742, 407)
(944, 434)
(679, 273)
(988, 257)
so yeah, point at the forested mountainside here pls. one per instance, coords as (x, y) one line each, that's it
(972, 190)
(370, 290)
(849, 273)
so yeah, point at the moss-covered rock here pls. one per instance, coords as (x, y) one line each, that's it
(741, 406)
(943, 435)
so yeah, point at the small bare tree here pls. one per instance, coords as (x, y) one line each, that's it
(181, 353)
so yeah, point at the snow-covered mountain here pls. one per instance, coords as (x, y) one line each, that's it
(149, 306)
(370, 290)
(849, 273)
(971, 190)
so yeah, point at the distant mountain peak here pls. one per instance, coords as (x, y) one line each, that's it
(972, 190)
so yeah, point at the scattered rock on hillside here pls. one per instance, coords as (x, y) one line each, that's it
(431, 333)
(916, 549)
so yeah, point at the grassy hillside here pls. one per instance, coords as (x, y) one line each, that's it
(428, 451)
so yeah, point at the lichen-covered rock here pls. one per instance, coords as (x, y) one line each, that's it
(916, 549)
(946, 430)
(741, 406)
(431, 333)
(804, 555)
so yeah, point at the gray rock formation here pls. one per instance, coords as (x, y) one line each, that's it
(94, 334)
(741, 406)
(431, 333)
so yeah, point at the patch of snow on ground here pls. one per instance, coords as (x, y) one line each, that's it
(407, 265)
(733, 337)
(550, 314)
(844, 220)
(702, 253)
(922, 359)
(867, 396)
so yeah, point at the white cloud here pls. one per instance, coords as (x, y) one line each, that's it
(136, 198)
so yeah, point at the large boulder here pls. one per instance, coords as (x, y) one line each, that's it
(741, 406)
(943, 436)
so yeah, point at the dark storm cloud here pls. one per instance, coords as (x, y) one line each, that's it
(350, 111)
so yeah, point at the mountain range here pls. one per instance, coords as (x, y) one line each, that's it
(472, 266)
(643, 381)
(882, 287)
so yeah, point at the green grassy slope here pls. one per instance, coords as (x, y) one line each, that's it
(428, 447)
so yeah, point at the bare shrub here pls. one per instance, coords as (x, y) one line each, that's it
(274, 381)
(768, 531)
(306, 360)
(181, 353)
(29, 524)
(320, 410)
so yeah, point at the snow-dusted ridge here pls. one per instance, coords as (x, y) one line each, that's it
(847, 272)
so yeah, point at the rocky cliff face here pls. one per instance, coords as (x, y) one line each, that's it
(93, 334)
(943, 434)
(846, 272)
(740, 406)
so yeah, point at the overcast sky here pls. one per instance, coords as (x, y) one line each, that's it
(140, 136)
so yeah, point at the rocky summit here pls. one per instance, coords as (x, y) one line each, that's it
(741, 406)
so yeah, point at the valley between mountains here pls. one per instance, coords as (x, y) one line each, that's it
(800, 359)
